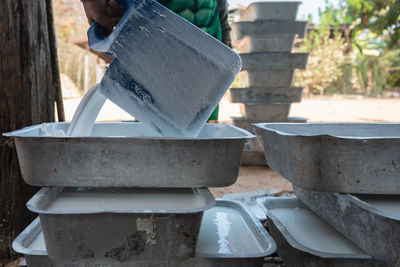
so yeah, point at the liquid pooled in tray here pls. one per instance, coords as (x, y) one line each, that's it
(37, 243)
(386, 204)
(312, 232)
(127, 200)
(224, 231)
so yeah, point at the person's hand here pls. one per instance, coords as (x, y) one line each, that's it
(107, 15)
(228, 43)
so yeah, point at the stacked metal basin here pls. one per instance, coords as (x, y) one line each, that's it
(348, 175)
(264, 37)
(126, 196)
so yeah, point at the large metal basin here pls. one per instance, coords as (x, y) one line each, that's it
(370, 221)
(129, 154)
(121, 225)
(167, 72)
(210, 252)
(305, 240)
(335, 157)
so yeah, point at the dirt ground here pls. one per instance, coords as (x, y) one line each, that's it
(316, 109)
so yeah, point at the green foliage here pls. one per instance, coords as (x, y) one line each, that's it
(381, 17)
(327, 53)
(356, 49)
(374, 72)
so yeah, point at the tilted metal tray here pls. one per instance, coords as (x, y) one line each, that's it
(304, 239)
(118, 225)
(218, 247)
(128, 154)
(335, 157)
(370, 221)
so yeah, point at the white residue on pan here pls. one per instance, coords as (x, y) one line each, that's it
(126, 200)
(148, 226)
(312, 232)
(159, 13)
(224, 231)
(145, 31)
(45, 130)
(37, 243)
(386, 204)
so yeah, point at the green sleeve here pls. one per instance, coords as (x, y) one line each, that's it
(223, 13)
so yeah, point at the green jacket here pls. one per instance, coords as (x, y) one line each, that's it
(209, 15)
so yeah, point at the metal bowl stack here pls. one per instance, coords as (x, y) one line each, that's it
(264, 37)
(348, 174)
(123, 196)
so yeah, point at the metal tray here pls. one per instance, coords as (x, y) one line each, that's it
(267, 95)
(273, 61)
(118, 225)
(31, 243)
(273, 43)
(335, 157)
(264, 28)
(265, 112)
(271, 10)
(128, 154)
(180, 55)
(266, 78)
(371, 227)
(299, 238)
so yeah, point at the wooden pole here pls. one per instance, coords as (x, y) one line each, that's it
(54, 61)
(26, 97)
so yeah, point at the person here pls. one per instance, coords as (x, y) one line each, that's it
(209, 15)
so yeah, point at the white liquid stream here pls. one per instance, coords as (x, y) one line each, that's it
(86, 113)
(312, 232)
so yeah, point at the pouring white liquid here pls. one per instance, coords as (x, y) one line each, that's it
(86, 113)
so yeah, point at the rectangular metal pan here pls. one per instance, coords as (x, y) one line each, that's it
(128, 154)
(266, 78)
(304, 239)
(267, 95)
(265, 112)
(264, 28)
(335, 157)
(212, 250)
(273, 61)
(271, 10)
(364, 219)
(272, 43)
(119, 225)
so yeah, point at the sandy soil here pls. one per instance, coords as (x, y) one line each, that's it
(317, 109)
(254, 178)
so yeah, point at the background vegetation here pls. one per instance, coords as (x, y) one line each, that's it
(355, 49)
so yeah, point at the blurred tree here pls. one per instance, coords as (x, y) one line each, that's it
(381, 17)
